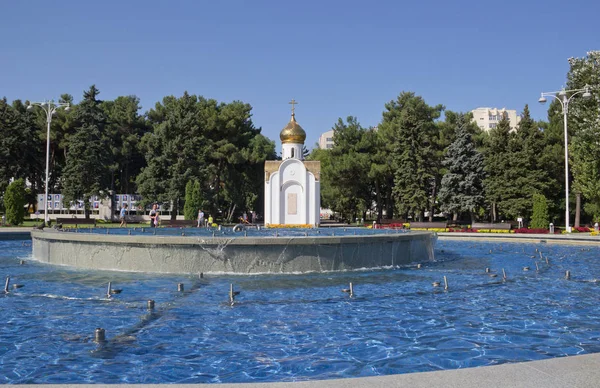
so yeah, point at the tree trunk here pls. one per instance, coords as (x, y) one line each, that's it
(174, 209)
(433, 195)
(231, 211)
(577, 209)
(494, 216)
(378, 201)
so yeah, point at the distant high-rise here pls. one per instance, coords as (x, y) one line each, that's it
(326, 140)
(488, 118)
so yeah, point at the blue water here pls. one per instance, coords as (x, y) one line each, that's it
(298, 327)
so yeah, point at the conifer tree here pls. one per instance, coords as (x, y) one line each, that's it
(408, 128)
(14, 202)
(584, 125)
(462, 184)
(496, 164)
(193, 200)
(86, 172)
(540, 218)
(524, 169)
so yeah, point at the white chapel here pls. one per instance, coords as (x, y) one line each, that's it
(292, 187)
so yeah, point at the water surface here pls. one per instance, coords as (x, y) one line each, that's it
(298, 327)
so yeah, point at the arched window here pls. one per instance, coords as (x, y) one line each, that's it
(292, 152)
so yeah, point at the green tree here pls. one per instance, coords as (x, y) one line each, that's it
(124, 130)
(87, 169)
(445, 134)
(9, 124)
(345, 170)
(524, 171)
(380, 173)
(462, 185)
(540, 218)
(408, 128)
(552, 160)
(193, 200)
(198, 139)
(584, 125)
(496, 162)
(14, 202)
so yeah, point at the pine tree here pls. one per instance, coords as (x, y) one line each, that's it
(87, 171)
(193, 200)
(524, 170)
(540, 218)
(9, 124)
(462, 185)
(584, 125)
(496, 164)
(552, 161)
(14, 202)
(345, 171)
(409, 128)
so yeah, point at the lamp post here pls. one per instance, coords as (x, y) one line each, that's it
(564, 99)
(49, 108)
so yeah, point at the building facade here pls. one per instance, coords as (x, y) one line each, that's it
(292, 187)
(326, 140)
(488, 118)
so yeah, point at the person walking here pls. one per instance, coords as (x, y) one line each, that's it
(200, 218)
(122, 215)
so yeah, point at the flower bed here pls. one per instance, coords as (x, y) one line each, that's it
(532, 231)
(581, 229)
(431, 229)
(309, 226)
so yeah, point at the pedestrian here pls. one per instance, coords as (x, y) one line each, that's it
(210, 220)
(153, 216)
(122, 215)
(200, 218)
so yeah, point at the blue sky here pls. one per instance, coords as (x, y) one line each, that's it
(336, 58)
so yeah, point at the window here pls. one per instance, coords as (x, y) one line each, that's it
(329, 146)
(492, 125)
(329, 139)
(292, 152)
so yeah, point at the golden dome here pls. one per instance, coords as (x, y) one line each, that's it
(292, 132)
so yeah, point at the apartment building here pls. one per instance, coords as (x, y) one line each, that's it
(326, 140)
(488, 118)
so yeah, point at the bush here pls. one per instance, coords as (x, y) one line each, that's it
(14, 202)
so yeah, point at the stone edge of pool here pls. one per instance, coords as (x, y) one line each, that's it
(233, 255)
(573, 238)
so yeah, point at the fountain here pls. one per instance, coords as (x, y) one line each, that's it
(229, 252)
(292, 197)
(68, 325)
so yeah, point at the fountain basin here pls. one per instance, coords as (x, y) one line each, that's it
(230, 254)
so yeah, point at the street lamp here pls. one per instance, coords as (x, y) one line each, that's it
(49, 108)
(561, 96)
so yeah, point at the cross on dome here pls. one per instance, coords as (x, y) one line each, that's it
(293, 102)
